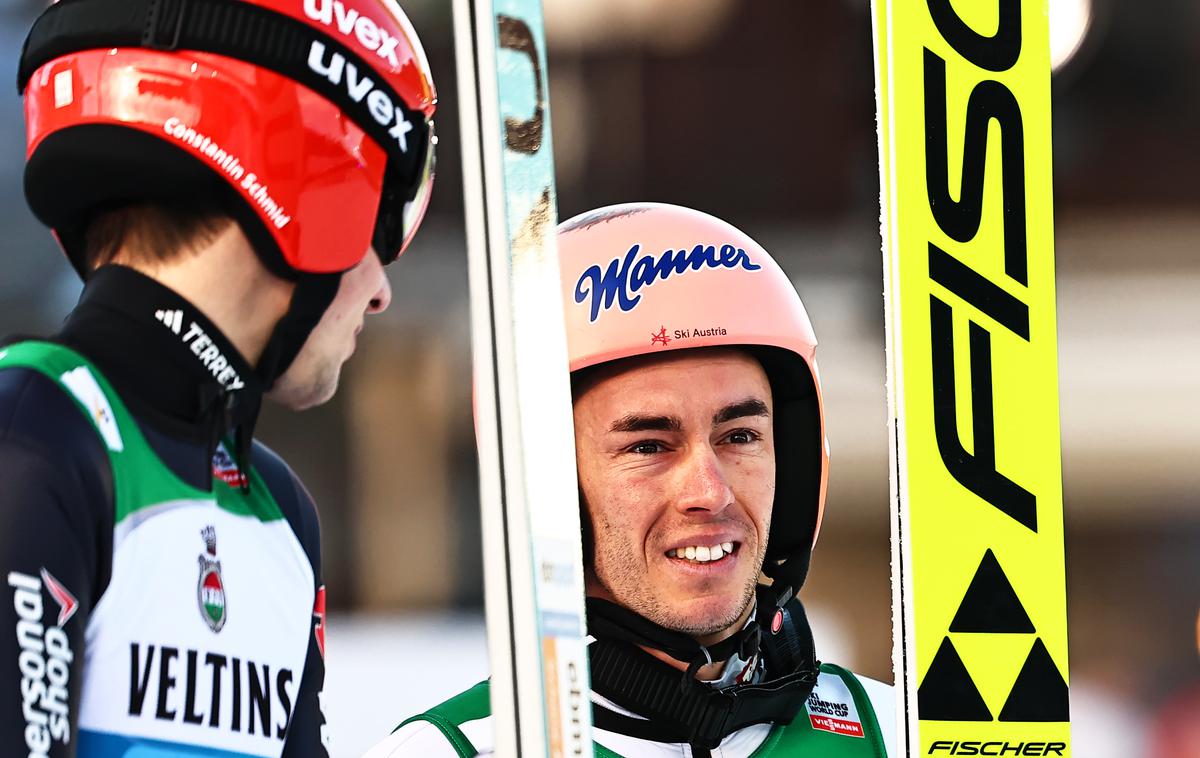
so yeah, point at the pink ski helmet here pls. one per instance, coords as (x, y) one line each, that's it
(643, 278)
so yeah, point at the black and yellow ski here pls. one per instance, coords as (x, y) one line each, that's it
(963, 92)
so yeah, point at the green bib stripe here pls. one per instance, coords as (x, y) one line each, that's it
(474, 704)
(140, 479)
(798, 738)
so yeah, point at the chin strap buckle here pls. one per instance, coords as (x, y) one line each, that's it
(689, 676)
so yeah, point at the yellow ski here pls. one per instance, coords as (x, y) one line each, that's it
(963, 93)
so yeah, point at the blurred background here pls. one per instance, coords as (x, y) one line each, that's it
(763, 113)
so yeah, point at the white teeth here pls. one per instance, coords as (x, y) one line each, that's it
(702, 553)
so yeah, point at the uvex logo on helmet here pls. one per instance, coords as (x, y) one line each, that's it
(349, 21)
(361, 87)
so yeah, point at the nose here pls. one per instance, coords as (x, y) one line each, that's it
(383, 291)
(702, 484)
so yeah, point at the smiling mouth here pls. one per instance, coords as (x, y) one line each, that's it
(704, 553)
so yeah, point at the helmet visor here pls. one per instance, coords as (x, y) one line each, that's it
(402, 205)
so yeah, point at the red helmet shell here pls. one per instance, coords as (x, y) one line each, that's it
(300, 164)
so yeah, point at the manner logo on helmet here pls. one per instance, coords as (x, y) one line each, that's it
(625, 276)
(210, 590)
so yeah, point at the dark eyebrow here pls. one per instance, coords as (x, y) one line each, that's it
(635, 422)
(747, 407)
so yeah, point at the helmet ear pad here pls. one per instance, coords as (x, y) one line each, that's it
(798, 460)
(112, 166)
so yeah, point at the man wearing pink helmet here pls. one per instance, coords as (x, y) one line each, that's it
(702, 462)
(229, 178)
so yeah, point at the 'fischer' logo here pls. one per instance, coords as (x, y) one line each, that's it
(349, 21)
(974, 747)
(625, 276)
(44, 661)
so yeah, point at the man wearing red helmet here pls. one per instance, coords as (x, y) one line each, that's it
(702, 463)
(229, 178)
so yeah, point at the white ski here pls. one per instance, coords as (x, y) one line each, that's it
(533, 561)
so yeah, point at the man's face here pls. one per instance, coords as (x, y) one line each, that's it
(312, 378)
(676, 460)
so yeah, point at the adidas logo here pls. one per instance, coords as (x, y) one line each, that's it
(173, 319)
(204, 349)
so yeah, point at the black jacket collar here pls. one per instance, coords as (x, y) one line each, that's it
(169, 363)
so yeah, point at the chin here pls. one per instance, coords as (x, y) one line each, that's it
(299, 395)
(700, 617)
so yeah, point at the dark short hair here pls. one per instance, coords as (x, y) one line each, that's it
(150, 233)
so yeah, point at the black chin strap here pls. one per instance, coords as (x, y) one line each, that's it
(678, 708)
(313, 296)
(612, 622)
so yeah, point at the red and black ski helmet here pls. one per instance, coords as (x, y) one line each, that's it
(309, 121)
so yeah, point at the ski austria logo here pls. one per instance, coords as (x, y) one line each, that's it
(623, 277)
(210, 590)
(44, 659)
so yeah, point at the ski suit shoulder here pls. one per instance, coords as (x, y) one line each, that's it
(308, 733)
(846, 716)
(109, 590)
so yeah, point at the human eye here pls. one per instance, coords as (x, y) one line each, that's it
(742, 436)
(646, 447)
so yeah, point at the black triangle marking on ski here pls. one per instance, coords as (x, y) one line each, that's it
(1040, 693)
(990, 604)
(947, 693)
